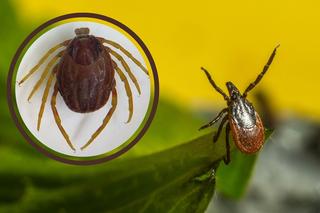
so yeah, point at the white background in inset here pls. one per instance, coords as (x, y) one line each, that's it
(80, 126)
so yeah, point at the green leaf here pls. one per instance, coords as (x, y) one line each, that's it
(179, 179)
(161, 182)
(232, 179)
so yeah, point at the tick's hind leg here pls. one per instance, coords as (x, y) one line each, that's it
(126, 52)
(42, 60)
(265, 69)
(127, 88)
(57, 117)
(215, 119)
(226, 159)
(105, 120)
(126, 67)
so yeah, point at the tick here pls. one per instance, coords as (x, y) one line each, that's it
(240, 116)
(85, 78)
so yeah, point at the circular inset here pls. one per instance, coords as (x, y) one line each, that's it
(55, 91)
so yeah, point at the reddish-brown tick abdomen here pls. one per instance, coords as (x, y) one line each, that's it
(248, 140)
(85, 74)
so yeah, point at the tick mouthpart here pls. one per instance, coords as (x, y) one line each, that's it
(231, 86)
(82, 31)
(233, 90)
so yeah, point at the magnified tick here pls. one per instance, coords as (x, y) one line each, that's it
(240, 116)
(85, 78)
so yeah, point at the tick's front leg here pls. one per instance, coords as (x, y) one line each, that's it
(260, 76)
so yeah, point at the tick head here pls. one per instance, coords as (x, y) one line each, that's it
(233, 91)
(84, 31)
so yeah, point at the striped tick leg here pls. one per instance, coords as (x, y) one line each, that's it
(57, 117)
(127, 88)
(105, 120)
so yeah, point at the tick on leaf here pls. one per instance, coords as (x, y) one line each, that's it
(84, 78)
(244, 122)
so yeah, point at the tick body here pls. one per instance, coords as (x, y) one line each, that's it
(246, 127)
(245, 124)
(85, 78)
(85, 74)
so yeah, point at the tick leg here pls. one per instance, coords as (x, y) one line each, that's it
(128, 54)
(214, 84)
(42, 60)
(265, 69)
(127, 88)
(216, 136)
(57, 117)
(215, 119)
(126, 67)
(45, 96)
(227, 158)
(44, 74)
(105, 120)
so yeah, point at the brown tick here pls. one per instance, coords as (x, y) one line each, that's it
(84, 78)
(244, 122)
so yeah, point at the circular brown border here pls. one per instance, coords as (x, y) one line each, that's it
(10, 98)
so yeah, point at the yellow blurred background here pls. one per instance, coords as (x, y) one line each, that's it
(233, 40)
